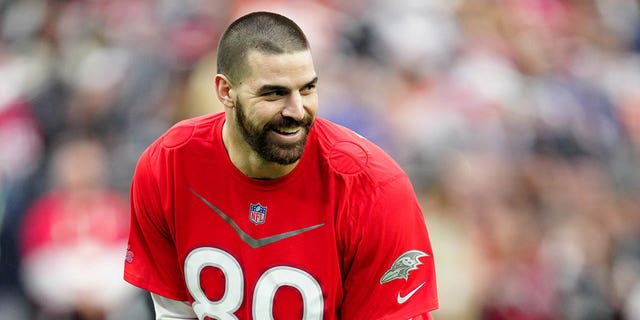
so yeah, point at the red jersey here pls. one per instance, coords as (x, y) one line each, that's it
(340, 237)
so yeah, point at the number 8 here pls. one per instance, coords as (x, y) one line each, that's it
(263, 295)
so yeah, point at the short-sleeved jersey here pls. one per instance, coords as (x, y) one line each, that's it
(339, 237)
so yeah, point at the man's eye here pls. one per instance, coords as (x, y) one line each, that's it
(275, 93)
(309, 87)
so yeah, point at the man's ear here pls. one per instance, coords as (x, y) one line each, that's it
(224, 90)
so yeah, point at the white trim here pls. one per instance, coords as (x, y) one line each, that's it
(169, 309)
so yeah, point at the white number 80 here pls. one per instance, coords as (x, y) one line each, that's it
(264, 291)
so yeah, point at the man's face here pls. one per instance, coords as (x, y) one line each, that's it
(276, 105)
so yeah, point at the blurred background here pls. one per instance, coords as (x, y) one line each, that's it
(518, 122)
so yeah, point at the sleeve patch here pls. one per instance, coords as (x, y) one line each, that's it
(178, 136)
(348, 158)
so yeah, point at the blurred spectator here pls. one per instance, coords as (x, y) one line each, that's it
(21, 152)
(74, 236)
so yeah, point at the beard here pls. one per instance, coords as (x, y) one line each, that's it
(263, 142)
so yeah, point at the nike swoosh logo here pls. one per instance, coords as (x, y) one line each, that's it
(252, 242)
(404, 299)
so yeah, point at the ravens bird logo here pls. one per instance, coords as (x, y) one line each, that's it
(405, 263)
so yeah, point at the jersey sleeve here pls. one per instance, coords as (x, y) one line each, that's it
(151, 260)
(391, 274)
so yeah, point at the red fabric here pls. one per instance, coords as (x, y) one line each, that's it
(66, 220)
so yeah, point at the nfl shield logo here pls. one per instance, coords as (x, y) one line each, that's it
(257, 213)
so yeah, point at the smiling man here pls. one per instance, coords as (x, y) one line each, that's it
(265, 211)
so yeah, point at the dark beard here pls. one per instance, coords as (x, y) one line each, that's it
(268, 149)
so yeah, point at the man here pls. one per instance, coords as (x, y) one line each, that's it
(267, 212)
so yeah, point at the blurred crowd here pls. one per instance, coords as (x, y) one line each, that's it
(518, 122)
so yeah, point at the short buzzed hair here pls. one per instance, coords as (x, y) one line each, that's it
(265, 32)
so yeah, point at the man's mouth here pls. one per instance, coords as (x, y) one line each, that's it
(286, 130)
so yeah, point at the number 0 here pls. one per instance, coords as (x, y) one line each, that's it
(264, 292)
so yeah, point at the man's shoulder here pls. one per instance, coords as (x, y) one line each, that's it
(349, 153)
(185, 131)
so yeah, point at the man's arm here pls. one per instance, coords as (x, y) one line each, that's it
(169, 309)
(392, 270)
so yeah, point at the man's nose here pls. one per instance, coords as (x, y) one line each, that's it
(294, 107)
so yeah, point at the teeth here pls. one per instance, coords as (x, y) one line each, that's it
(288, 130)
